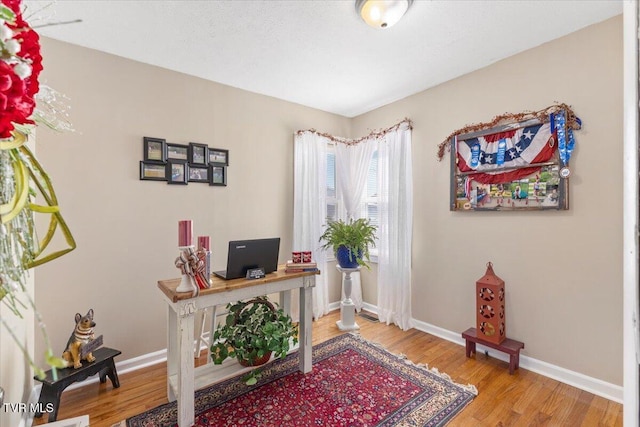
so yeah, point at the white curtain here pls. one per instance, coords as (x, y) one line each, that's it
(352, 164)
(395, 205)
(310, 210)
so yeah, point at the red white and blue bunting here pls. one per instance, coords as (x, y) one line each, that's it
(558, 116)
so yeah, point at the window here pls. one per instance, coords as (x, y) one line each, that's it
(371, 197)
(371, 211)
(370, 205)
(332, 192)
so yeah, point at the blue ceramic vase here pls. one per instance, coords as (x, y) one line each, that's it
(342, 256)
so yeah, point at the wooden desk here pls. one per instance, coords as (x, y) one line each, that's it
(182, 378)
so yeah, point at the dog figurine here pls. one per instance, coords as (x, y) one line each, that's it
(82, 334)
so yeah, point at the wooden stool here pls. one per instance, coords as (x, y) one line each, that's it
(52, 390)
(509, 346)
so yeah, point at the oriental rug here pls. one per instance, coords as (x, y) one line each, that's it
(353, 383)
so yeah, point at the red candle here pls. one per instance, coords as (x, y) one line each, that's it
(203, 243)
(185, 233)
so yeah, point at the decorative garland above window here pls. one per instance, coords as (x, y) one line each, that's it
(372, 135)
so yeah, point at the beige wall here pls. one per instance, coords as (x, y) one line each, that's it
(563, 270)
(126, 229)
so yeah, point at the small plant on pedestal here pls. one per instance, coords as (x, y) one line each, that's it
(350, 241)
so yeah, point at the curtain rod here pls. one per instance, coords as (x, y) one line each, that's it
(373, 134)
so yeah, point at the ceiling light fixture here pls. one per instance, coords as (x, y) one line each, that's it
(382, 13)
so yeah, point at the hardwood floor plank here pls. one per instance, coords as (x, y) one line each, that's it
(528, 402)
(561, 402)
(522, 399)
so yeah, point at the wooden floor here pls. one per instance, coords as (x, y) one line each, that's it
(522, 399)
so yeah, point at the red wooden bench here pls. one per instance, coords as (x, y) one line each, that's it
(509, 346)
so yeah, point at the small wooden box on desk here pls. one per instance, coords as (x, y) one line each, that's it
(509, 346)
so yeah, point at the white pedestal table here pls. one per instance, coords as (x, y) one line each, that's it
(347, 320)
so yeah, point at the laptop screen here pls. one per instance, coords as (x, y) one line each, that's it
(246, 254)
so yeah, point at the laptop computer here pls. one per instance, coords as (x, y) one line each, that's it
(247, 254)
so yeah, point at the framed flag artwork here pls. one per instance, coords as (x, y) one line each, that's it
(522, 165)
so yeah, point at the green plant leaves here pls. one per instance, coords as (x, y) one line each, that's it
(7, 14)
(252, 377)
(357, 235)
(251, 330)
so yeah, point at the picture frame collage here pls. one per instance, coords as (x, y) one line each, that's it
(492, 170)
(183, 163)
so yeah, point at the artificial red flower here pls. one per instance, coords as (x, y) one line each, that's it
(30, 50)
(15, 103)
(16, 94)
(14, 5)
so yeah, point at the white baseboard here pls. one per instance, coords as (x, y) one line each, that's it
(140, 362)
(334, 306)
(122, 367)
(592, 385)
(365, 306)
(370, 308)
(572, 378)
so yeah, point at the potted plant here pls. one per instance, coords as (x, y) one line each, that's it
(253, 331)
(350, 241)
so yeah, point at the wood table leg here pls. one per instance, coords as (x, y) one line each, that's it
(306, 320)
(172, 357)
(514, 362)
(112, 373)
(186, 380)
(212, 328)
(470, 347)
(50, 395)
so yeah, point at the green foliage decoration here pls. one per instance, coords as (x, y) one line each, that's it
(357, 235)
(251, 330)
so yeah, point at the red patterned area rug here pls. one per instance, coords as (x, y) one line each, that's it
(353, 383)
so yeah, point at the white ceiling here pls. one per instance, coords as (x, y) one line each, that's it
(317, 53)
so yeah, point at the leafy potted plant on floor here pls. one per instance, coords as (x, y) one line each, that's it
(253, 331)
(350, 241)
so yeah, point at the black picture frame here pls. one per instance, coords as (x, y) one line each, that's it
(154, 149)
(198, 154)
(177, 172)
(199, 173)
(218, 175)
(178, 152)
(152, 171)
(218, 156)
